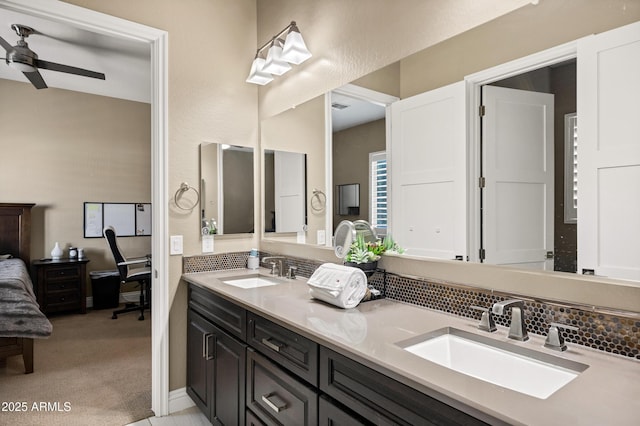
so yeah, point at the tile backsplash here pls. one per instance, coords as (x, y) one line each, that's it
(600, 329)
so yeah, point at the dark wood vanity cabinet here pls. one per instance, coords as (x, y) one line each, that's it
(267, 374)
(216, 368)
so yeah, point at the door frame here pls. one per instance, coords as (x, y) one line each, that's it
(91, 20)
(474, 83)
(362, 93)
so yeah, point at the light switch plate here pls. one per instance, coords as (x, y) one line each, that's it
(176, 245)
(321, 237)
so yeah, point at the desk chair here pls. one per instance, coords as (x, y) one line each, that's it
(133, 270)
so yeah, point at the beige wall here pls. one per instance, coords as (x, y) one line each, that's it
(302, 130)
(351, 148)
(62, 148)
(209, 101)
(518, 34)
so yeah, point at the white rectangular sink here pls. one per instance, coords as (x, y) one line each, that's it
(251, 281)
(514, 367)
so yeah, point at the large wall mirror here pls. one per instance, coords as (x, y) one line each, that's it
(226, 189)
(558, 79)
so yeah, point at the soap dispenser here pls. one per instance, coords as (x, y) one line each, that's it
(253, 262)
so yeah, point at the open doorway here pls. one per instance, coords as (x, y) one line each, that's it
(523, 219)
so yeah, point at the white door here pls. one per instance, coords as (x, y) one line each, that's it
(609, 153)
(517, 200)
(289, 191)
(428, 173)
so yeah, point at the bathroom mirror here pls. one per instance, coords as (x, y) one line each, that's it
(226, 189)
(285, 193)
(565, 235)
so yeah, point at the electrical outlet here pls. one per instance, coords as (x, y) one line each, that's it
(321, 237)
(176, 245)
(207, 243)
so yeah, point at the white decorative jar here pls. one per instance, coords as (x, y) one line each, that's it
(56, 253)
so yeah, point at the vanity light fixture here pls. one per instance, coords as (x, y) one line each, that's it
(280, 54)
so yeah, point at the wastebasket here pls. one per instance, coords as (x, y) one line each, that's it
(105, 286)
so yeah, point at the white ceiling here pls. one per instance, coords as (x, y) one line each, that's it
(356, 112)
(126, 64)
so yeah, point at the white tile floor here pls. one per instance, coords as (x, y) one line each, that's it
(190, 417)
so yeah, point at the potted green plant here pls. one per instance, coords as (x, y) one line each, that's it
(365, 254)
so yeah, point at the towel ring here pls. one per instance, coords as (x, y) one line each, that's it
(318, 201)
(184, 187)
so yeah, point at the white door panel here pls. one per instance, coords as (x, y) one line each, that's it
(428, 173)
(289, 181)
(609, 153)
(517, 217)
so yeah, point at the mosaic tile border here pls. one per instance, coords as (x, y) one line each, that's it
(616, 333)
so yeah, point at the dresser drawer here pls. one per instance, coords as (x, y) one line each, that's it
(62, 273)
(63, 285)
(62, 301)
(221, 312)
(291, 350)
(277, 397)
(382, 399)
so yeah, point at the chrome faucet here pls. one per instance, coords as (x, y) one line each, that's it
(276, 264)
(517, 329)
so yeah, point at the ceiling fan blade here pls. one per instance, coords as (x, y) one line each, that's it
(36, 79)
(52, 66)
(6, 46)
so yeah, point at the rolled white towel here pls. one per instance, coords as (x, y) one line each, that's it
(340, 285)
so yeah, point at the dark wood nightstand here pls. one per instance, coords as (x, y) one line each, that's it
(61, 285)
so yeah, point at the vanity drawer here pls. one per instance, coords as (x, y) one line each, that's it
(381, 399)
(222, 312)
(277, 397)
(287, 348)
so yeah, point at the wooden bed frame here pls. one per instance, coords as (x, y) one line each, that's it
(15, 239)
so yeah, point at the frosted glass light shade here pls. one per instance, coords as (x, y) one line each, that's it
(294, 50)
(20, 66)
(257, 74)
(274, 64)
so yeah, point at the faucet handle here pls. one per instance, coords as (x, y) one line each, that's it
(555, 340)
(486, 322)
(291, 274)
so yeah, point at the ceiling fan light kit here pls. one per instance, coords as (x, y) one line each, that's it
(279, 56)
(25, 60)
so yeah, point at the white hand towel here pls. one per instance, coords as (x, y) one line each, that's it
(340, 285)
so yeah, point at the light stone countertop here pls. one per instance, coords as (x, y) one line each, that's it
(605, 393)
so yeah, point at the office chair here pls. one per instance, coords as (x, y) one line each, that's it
(133, 270)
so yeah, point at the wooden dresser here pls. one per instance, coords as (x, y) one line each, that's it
(61, 285)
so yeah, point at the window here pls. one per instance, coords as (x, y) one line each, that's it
(570, 168)
(378, 190)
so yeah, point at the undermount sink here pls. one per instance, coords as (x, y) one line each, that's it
(251, 281)
(504, 364)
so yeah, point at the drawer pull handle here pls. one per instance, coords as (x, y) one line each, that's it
(275, 346)
(277, 407)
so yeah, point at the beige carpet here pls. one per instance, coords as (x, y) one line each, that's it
(92, 371)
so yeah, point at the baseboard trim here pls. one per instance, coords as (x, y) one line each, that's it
(179, 400)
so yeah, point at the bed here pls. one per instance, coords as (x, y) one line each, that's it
(21, 320)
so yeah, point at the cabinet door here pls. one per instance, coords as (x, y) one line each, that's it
(330, 414)
(428, 173)
(199, 362)
(609, 153)
(228, 405)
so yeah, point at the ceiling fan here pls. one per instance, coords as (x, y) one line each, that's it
(26, 60)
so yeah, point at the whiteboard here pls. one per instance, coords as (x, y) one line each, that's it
(122, 217)
(128, 219)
